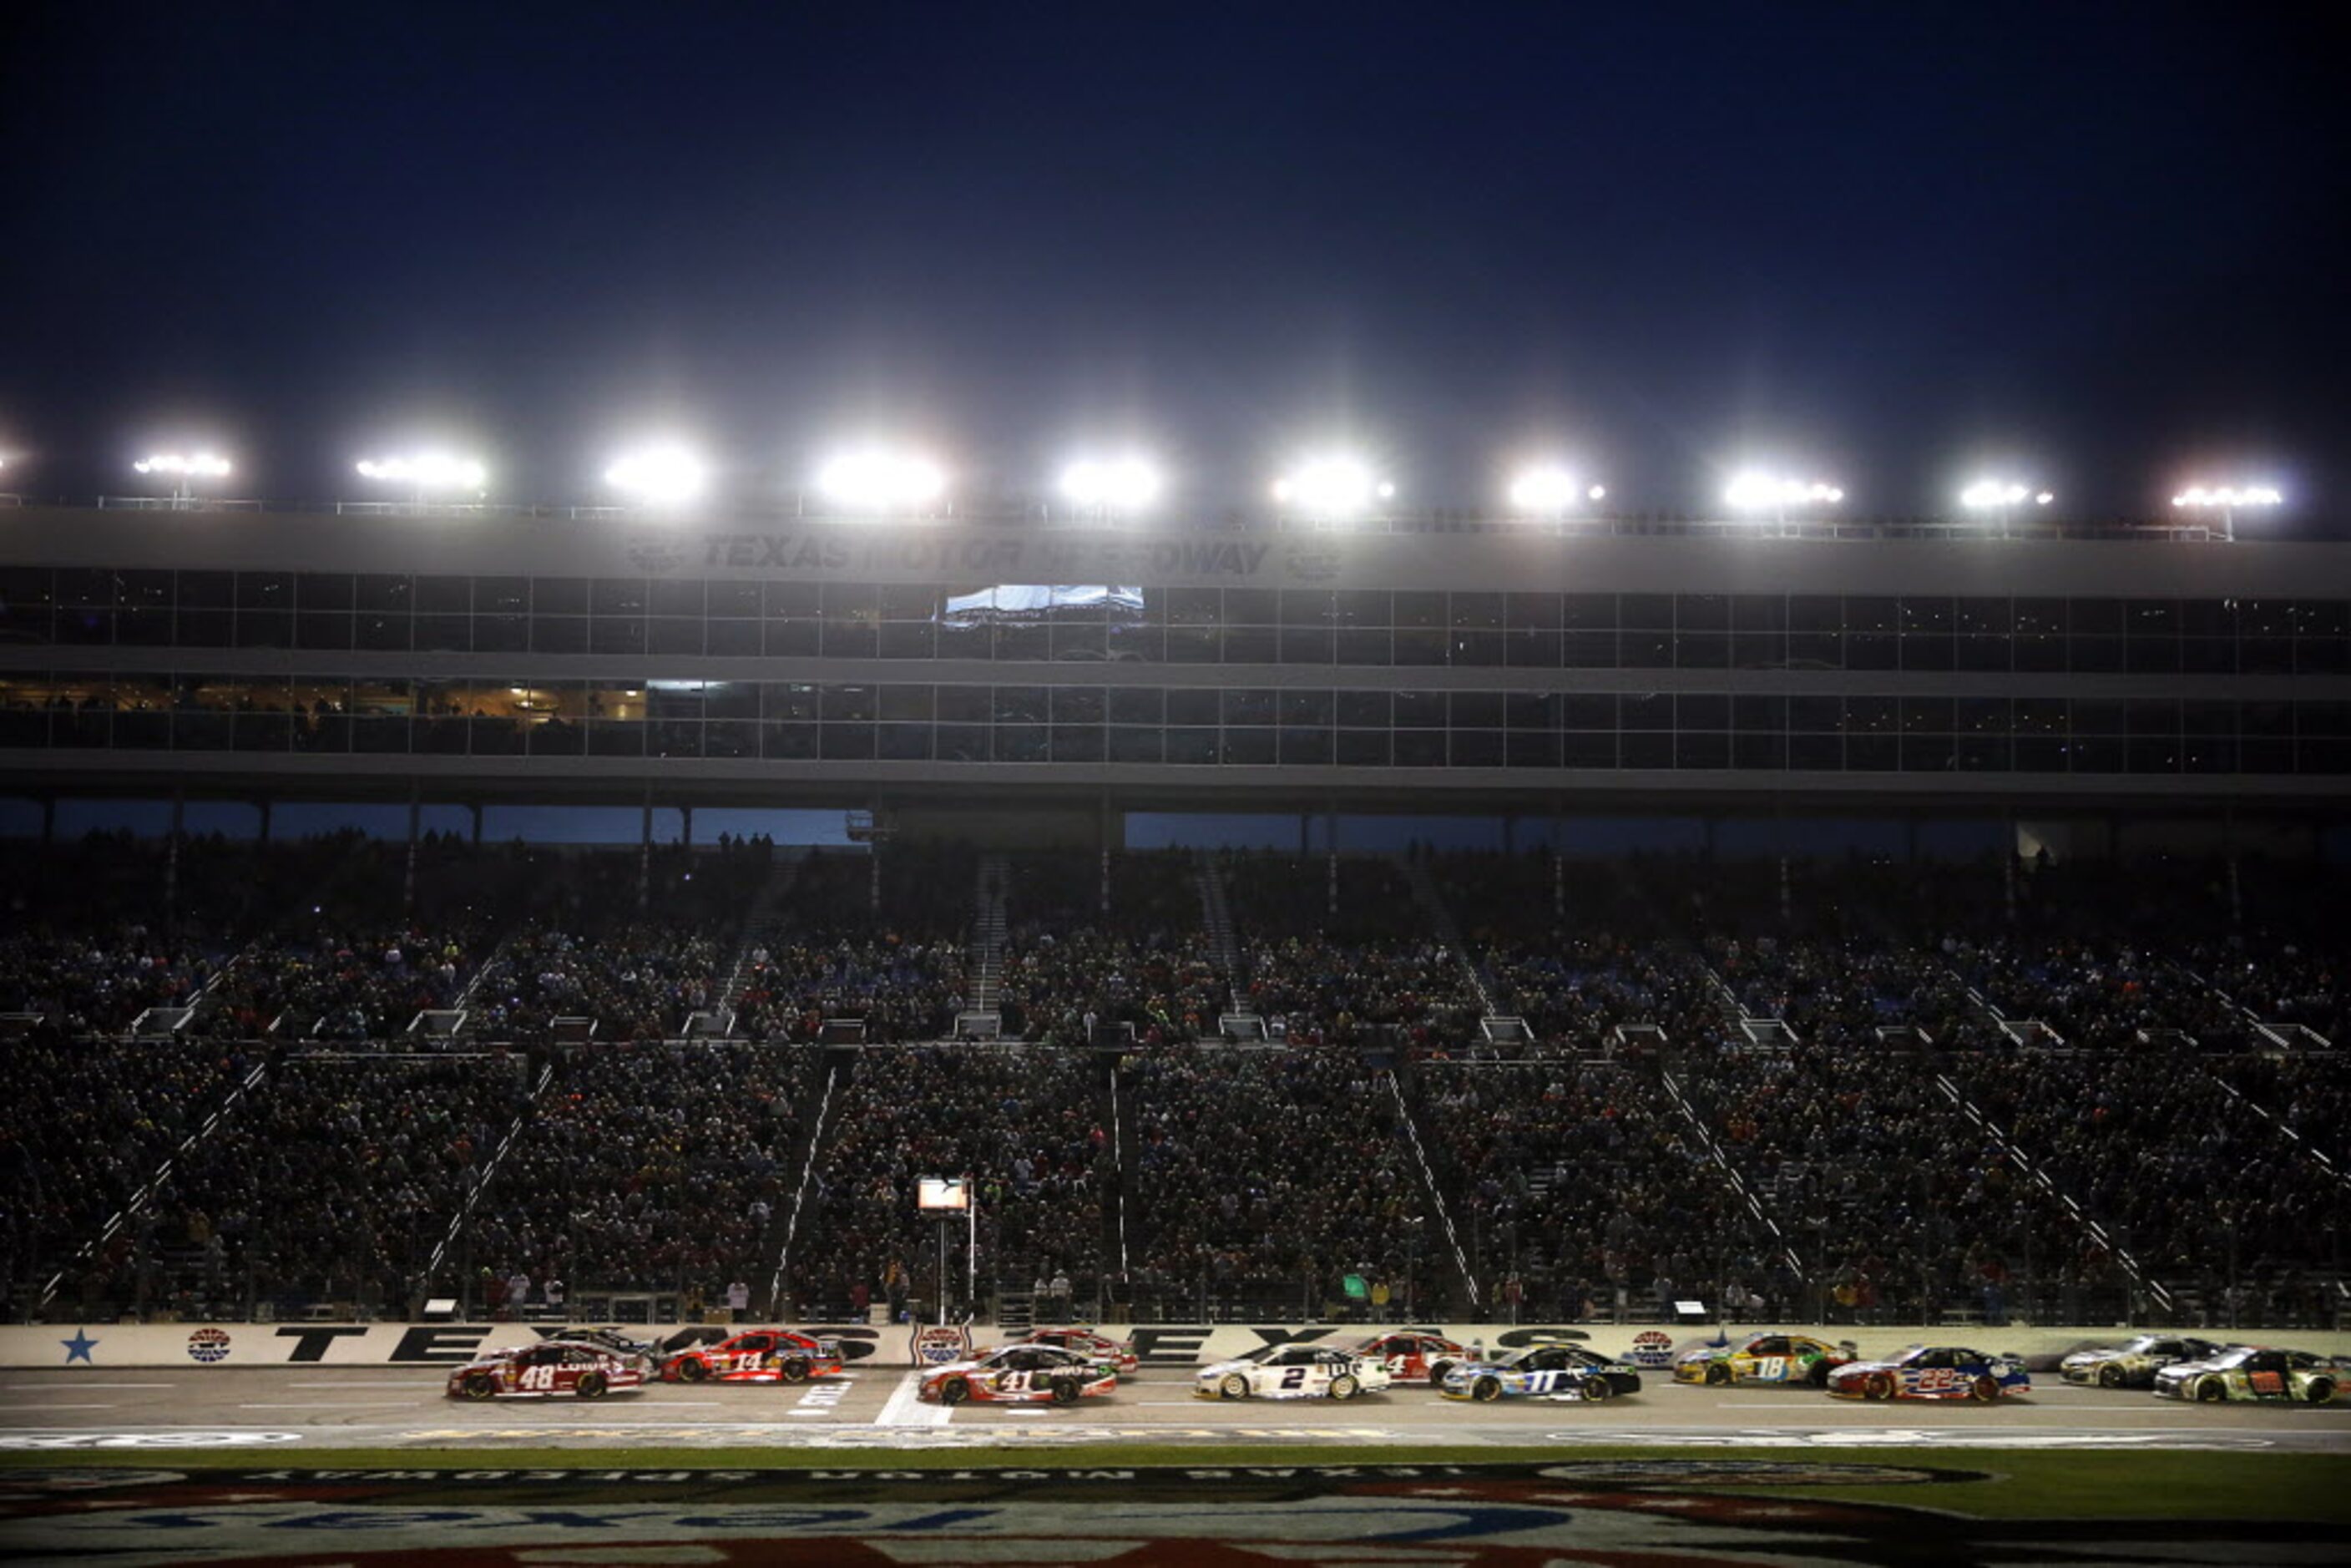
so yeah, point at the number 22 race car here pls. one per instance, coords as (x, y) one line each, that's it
(1933, 1372)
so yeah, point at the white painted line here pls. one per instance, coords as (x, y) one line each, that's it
(373, 1383)
(339, 1405)
(75, 1386)
(14, 1408)
(1024, 1410)
(904, 1406)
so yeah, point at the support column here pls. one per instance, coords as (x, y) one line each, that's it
(1509, 833)
(408, 874)
(476, 808)
(645, 853)
(2236, 888)
(172, 855)
(2008, 866)
(685, 830)
(263, 804)
(48, 821)
(1103, 838)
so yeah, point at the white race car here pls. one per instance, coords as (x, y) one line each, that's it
(1292, 1372)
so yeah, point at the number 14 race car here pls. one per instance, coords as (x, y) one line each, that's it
(1933, 1372)
(540, 1369)
(758, 1355)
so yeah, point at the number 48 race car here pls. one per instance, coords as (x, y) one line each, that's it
(540, 1369)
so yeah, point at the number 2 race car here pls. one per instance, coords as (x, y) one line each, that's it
(1777, 1359)
(1020, 1374)
(1567, 1373)
(2134, 1362)
(755, 1355)
(2250, 1371)
(1933, 1372)
(1292, 1372)
(1118, 1353)
(539, 1370)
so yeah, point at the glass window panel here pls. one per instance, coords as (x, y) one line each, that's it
(1362, 710)
(1979, 654)
(1701, 650)
(791, 600)
(1081, 644)
(1537, 611)
(1419, 609)
(1759, 612)
(845, 702)
(1588, 611)
(909, 602)
(1981, 617)
(1021, 743)
(217, 590)
(1587, 710)
(1252, 607)
(734, 598)
(1758, 713)
(1365, 648)
(2099, 656)
(861, 639)
(330, 632)
(1927, 650)
(1195, 645)
(1076, 704)
(962, 742)
(1654, 710)
(1307, 647)
(1136, 743)
(2151, 617)
(674, 635)
(1980, 715)
(1078, 743)
(1476, 612)
(1648, 612)
(902, 742)
(312, 590)
(1305, 707)
(1248, 706)
(1418, 648)
(1588, 650)
(1532, 750)
(255, 590)
(847, 743)
(725, 639)
(857, 602)
(1759, 753)
(788, 742)
(2208, 617)
(1815, 753)
(1481, 710)
(1022, 704)
(2152, 655)
(1191, 746)
(1190, 706)
(1306, 607)
(1873, 753)
(2041, 617)
(1815, 612)
(671, 596)
(1252, 644)
(1872, 613)
(1759, 650)
(1701, 711)
(548, 595)
(1419, 747)
(1588, 749)
(1418, 710)
(85, 626)
(1531, 650)
(610, 634)
(264, 628)
(1872, 651)
(1530, 710)
(1926, 715)
(1820, 715)
(1697, 748)
(1646, 749)
(1477, 749)
(1926, 614)
(2102, 617)
(96, 588)
(1361, 607)
(793, 639)
(1702, 611)
(623, 596)
(1361, 748)
(1640, 648)
(1479, 649)
(1137, 705)
(1872, 714)
(1193, 606)
(1928, 754)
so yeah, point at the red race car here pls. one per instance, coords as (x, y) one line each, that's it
(541, 1371)
(1412, 1355)
(755, 1355)
(1019, 1375)
(1117, 1353)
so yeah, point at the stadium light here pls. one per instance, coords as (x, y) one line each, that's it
(183, 469)
(1332, 488)
(2001, 496)
(2225, 499)
(427, 472)
(1112, 486)
(661, 474)
(1752, 491)
(881, 479)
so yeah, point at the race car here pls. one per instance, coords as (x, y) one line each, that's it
(1020, 1374)
(1567, 1373)
(2134, 1362)
(1777, 1359)
(1292, 1372)
(1118, 1353)
(610, 1341)
(1932, 1372)
(755, 1355)
(1411, 1356)
(2254, 1371)
(539, 1371)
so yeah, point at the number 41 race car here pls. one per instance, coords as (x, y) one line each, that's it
(540, 1369)
(1933, 1372)
(1020, 1374)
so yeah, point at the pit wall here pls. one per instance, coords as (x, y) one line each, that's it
(1168, 1345)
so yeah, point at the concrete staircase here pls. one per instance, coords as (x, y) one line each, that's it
(984, 1019)
(1224, 940)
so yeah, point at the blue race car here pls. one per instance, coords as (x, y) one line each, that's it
(1933, 1372)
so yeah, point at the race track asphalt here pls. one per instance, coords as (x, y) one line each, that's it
(321, 1407)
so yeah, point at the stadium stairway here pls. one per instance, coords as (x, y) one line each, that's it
(784, 1228)
(984, 1019)
(763, 929)
(1466, 1279)
(1216, 918)
(1113, 1178)
(1499, 1019)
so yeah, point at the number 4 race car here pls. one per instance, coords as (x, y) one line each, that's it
(2250, 1371)
(1292, 1372)
(1118, 1353)
(1411, 1356)
(1933, 1372)
(1566, 1372)
(540, 1369)
(756, 1355)
(1020, 1374)
(1777, 1359)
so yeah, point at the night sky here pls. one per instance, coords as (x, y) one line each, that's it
(2103, 241)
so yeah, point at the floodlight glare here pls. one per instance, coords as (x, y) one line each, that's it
(878, 480)
(1332, 486)
(1597, 492)
(427, 471)
(1546, 487)
(666, 475)
(1117, 485)
(2227, 498)
(1986, 494)
(1753, 492)
(198, 466)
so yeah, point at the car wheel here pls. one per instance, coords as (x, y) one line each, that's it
(1065, 1391)
(955, 1391)
(1877, 1385)
(1344, 1387)
(2110, 1375)
(1486, 1388)
(1717, 1375)
(2322, 1390)
(479, 1385)
(1819, 1375)
(1436, 1371)
(1234, 1386)
(591, 1385)
(796, 1370)
(2211, 1391)
(1986, 1390)
(1598, 1390)
(691, 1369)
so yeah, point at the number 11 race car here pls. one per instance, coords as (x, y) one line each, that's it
(540, 1369)
(1933, 1372)
(1565, 1373)
(1020, 1374)
(755, 1355)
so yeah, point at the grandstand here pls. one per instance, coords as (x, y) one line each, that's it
(2088, 1067)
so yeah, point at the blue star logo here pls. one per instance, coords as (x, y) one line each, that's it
(78, 1348)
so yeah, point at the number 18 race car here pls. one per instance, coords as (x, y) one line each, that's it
(540, 1369)
(1933, 1372)
(1020, 1374)
(1774, 1358)
(755, 1355)
(2249, 1372)
(1118, 1353)
(1292, 1372)
(1566, 1372)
